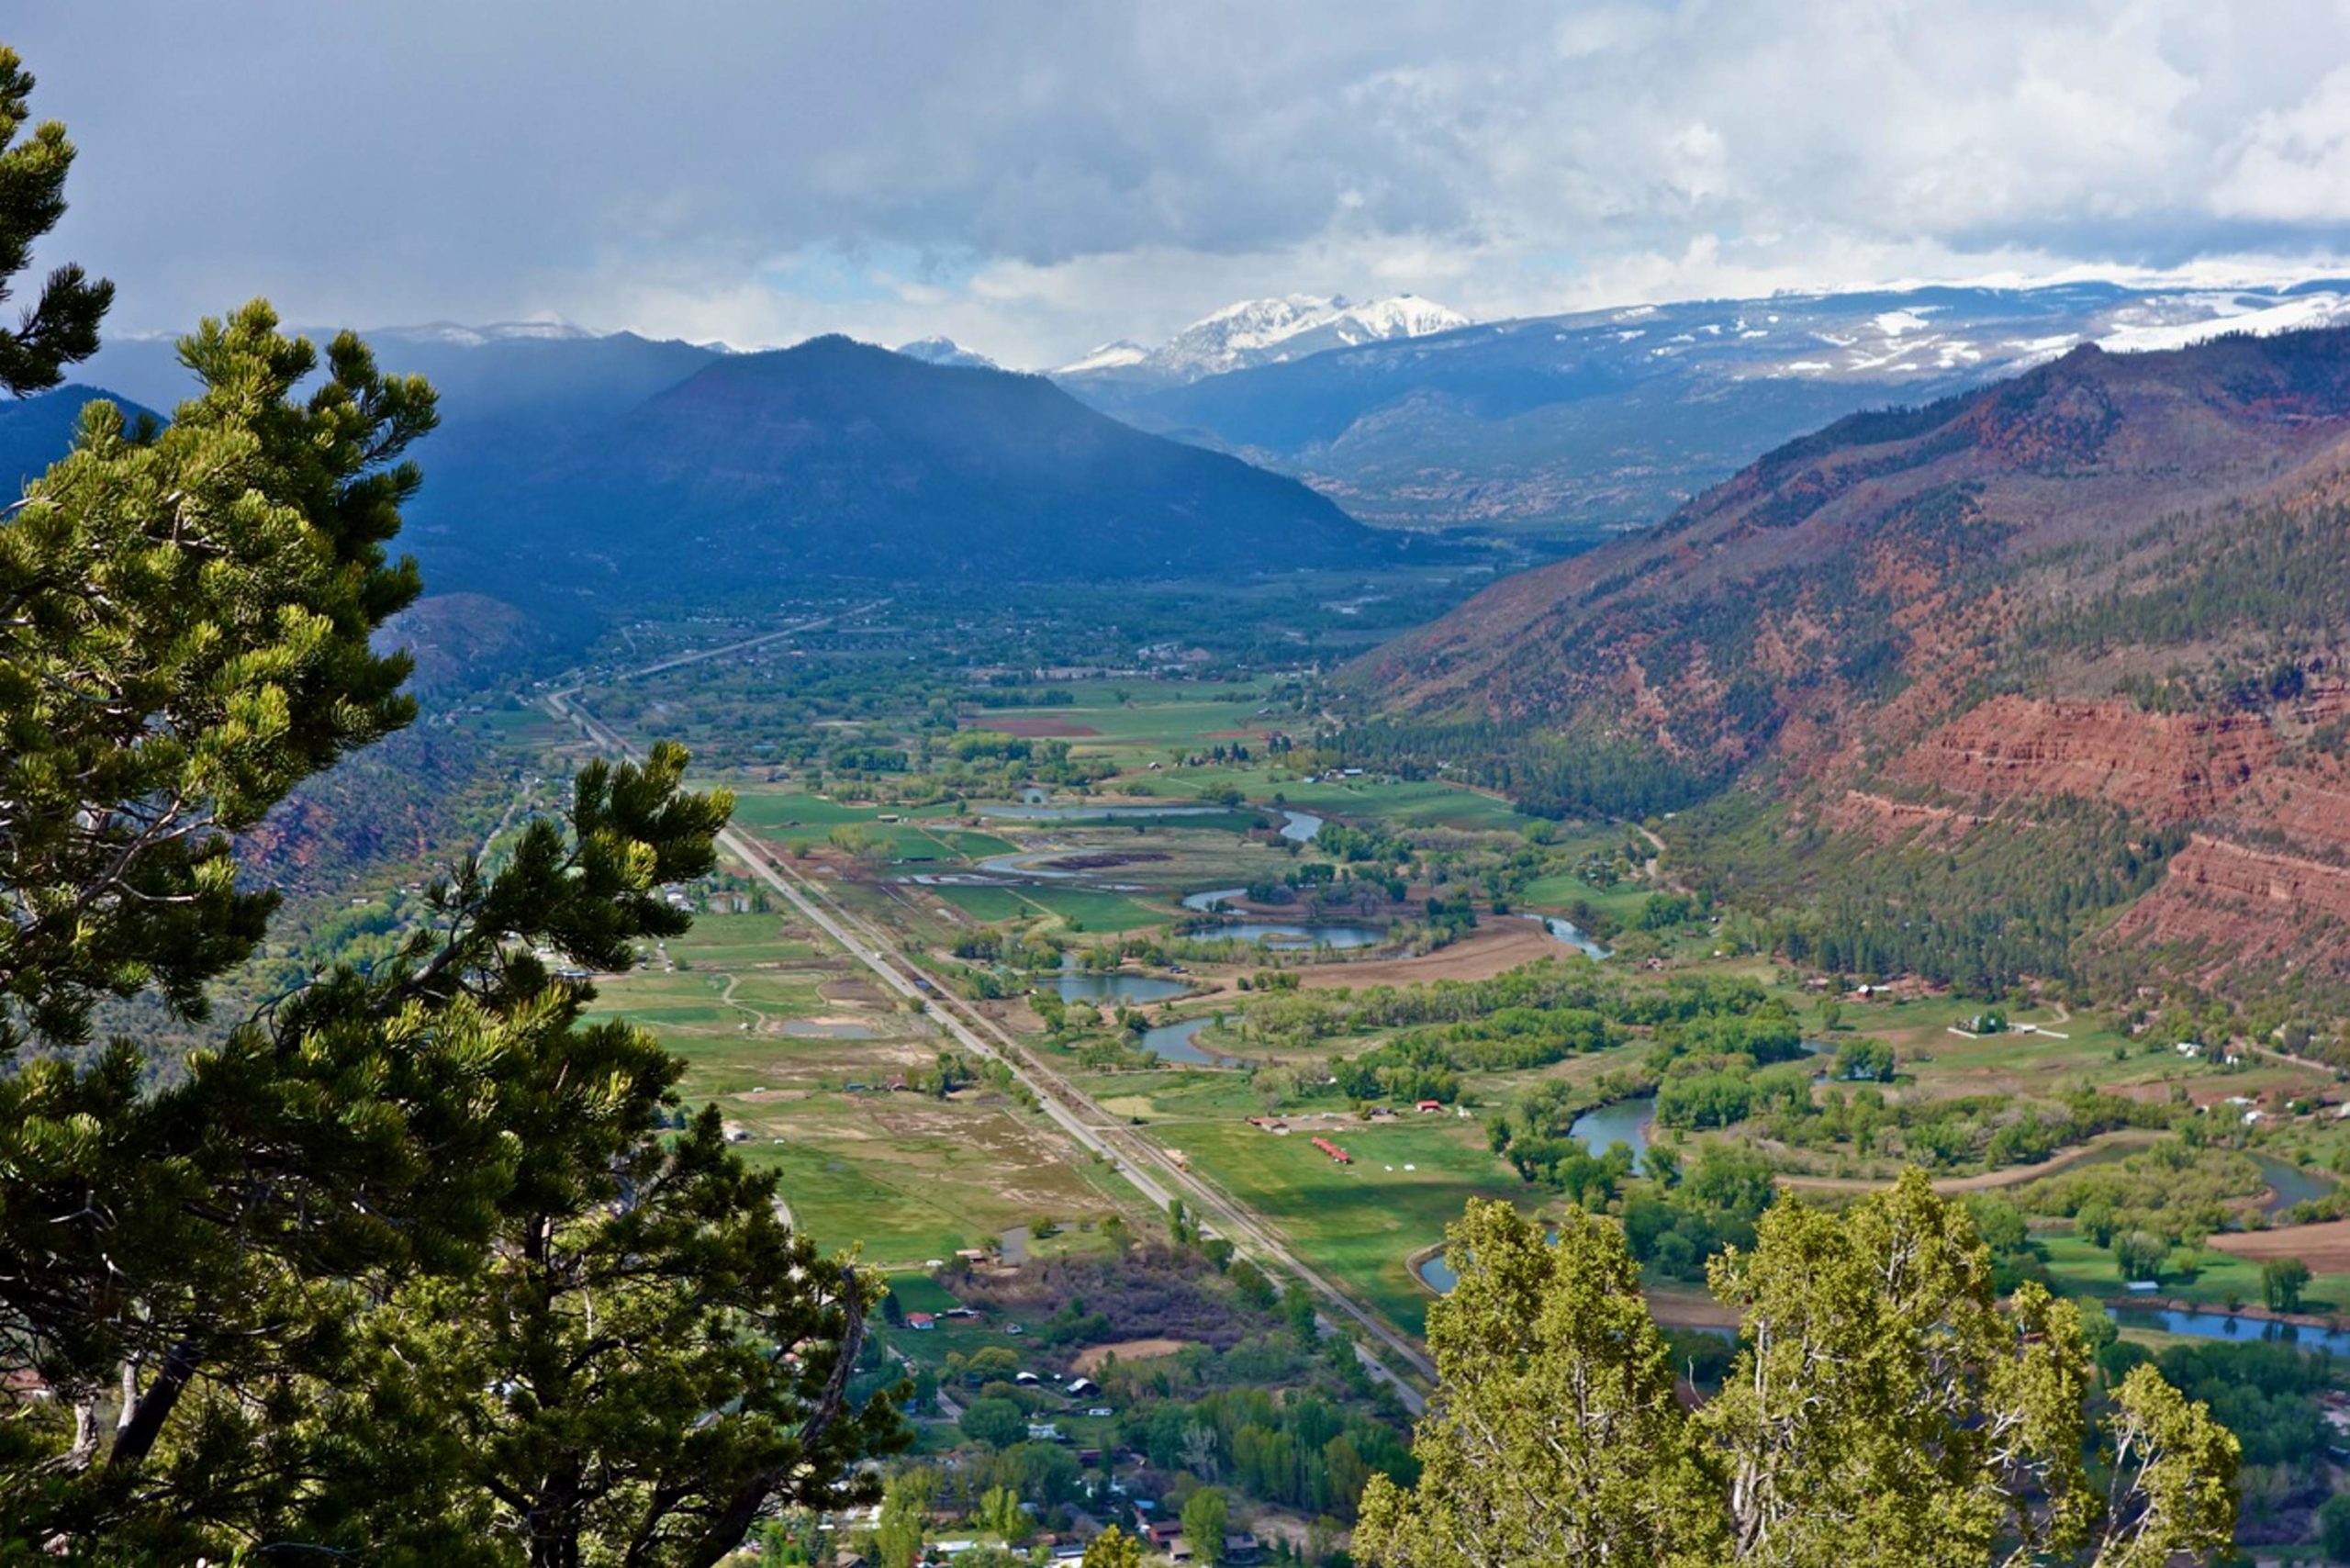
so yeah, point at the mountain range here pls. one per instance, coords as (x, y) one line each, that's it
(1580, 425)
(2023, 678)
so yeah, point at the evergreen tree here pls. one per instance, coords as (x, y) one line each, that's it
(1885, 1410)
(61, 328)
(405, 1262)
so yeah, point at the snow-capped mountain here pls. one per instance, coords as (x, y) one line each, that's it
(947, 351)
(1119, 354)
(1268, 331)
(1588, 422)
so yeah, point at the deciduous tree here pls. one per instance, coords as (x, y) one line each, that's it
(1206, 1515)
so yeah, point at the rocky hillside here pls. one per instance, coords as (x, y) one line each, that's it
(2114, 591)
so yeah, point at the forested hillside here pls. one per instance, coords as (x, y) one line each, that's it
(836, 459)
(2069, 648)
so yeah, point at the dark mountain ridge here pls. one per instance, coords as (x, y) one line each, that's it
(36, 432)
(835, 458)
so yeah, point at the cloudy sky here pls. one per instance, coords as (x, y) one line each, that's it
(1032, 178)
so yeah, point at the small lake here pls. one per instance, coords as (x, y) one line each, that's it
(1178, 1042)
(1573, 936)
(809, 1029)
(1625, 1122)
(2240, 1330)
(1277, 933)
(1288, 934)
(1117, 985)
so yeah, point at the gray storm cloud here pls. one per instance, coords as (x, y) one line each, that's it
(1032, 177)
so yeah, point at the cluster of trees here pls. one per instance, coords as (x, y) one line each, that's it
(1688, 1217)
(1532, 1133)
(2008, 902)
(1304, 1452)
(2177, 1192)
(409, 1264)
(1547, 773)
(2269, 1396)
(1301, 1018)
(1884, 1406)
(1428, 1065)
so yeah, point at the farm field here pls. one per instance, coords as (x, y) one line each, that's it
(776, 1033)
(1358, 1222)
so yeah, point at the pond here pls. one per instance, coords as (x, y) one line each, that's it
(1116, 985)
(1077, 985)
(812, 1029)
(1293, 933)
(2242, 1331)
(1277, 933)
(1573, 936)
(1625, 1122)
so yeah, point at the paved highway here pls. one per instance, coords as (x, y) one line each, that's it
(1148, 1168)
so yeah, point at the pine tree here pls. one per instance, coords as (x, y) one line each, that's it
(1885, 1410)
(326, 1281)
(61, 328)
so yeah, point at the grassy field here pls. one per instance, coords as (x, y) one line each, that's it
(2205, 1276)
(774, 1030)
(1087, 910)
(911, 1179)
(2064, 1052)
(1359, 1222)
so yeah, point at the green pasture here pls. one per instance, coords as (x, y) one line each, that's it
(1359, 1222)
(1095, 912)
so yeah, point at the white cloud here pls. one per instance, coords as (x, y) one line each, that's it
(1034, 177)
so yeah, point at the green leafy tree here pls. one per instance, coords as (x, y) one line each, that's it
(1206, 1515)
(905, 1517)
(2334, 1528)
(2139, 1255)
(999, 1423)
(999, 1511)
(1112, 1549)
(1885, 1409)
(1533, 1330)
(2282, 1280)
(405, 1263)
